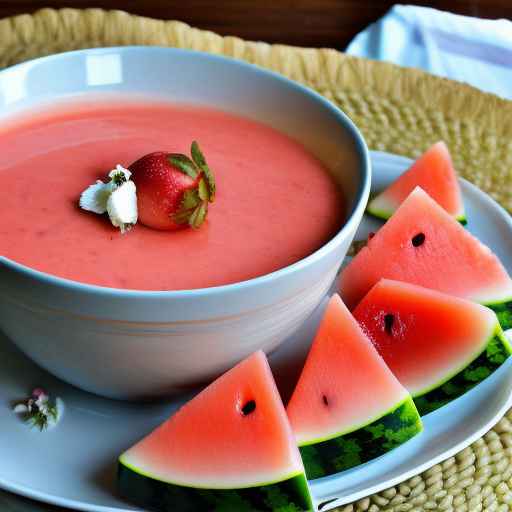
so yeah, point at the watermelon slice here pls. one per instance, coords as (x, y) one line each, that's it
(439, 346)
(422, 244)
(434, 173)
(347, 407)
(229, 448)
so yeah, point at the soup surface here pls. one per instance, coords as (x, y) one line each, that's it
(275, 203)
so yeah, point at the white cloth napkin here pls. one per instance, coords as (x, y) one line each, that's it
(471, 50)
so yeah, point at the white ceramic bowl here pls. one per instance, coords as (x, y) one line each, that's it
(133, 344)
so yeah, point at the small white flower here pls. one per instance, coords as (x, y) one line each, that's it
(118, 198)
(122, 206)
(41, 400)
(43, 408)
(39, 411)
(119, 170)
(94, 198)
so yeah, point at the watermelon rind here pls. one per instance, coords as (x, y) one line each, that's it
(495, 352)
(503, 311)
(288, 495)
(380, 214)
(385, 214)
(346, 450)
(462, 219)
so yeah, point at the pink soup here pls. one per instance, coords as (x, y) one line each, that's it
(276, 203)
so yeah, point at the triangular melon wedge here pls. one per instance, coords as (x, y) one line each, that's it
(229, 448)
(434, 173)
(347, 407)
(422, 244)
(438, 346)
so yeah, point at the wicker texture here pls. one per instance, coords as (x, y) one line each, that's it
(398, 110)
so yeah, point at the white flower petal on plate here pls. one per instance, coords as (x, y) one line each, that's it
(43, 408)
(95, 198)
(59, 409)
(122, 206)
(41, 401)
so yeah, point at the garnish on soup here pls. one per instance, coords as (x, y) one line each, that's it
(173, 190)
(117, 198)
(165, 191)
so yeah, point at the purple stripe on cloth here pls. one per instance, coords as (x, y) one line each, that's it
(457, 45)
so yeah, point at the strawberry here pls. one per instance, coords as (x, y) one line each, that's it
(173, 190)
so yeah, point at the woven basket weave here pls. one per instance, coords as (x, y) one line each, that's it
(398, 110)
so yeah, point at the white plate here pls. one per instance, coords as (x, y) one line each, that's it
(74, 464)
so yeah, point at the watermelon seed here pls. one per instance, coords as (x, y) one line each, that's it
(388, 322)
(249, 407)
(418, 239)
(325, 401)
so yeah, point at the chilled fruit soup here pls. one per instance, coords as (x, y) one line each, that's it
(275, 203)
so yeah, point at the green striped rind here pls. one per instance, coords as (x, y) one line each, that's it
(493, 356)
(382, 215)
(290, 495)
(379, 214)
(364, 444)
(462, 219)
(504, 313)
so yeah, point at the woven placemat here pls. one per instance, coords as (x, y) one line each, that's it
(398, 110)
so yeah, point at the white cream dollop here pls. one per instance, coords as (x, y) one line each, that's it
(118, 198)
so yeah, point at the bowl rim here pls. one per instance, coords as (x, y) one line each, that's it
(360, 200)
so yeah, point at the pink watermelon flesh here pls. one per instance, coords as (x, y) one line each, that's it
(234, 434)
(424, 245)
(345, 384)
(424, 336)
(434, 173)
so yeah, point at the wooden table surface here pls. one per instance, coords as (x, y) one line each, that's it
(317, 23)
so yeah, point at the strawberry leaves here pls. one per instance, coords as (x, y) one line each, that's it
(198, 215)
(193, 209)
(184, 164)
(190, 202)
(203, 191)
(200, 161)
(194, 205)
